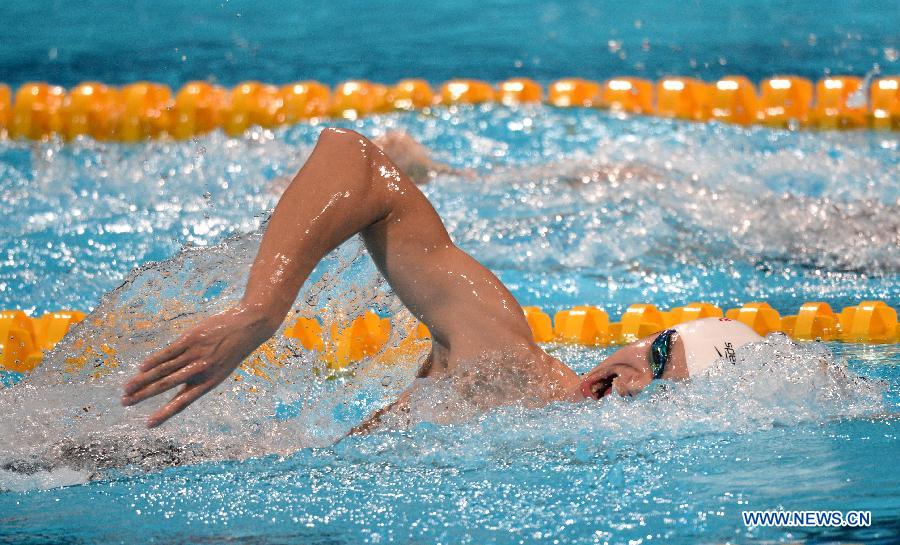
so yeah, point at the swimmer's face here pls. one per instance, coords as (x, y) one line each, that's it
(627, 371)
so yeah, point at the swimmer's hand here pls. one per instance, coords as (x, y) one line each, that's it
(199, 360)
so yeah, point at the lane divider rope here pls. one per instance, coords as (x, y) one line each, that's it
(143, 110)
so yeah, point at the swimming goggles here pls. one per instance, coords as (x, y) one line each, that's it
(660, 351)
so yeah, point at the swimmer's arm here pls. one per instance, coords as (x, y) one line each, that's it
(347, 186)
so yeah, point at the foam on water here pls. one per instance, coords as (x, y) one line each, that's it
(64, 422)
(66, 413)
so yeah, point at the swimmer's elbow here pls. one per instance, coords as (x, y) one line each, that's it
(348, 150)
(342, 160)
(344, 143)
(337, 136)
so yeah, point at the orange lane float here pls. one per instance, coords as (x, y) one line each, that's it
(198, 109)
(733, 100)
(519, 91)
(682, 98)
(147, 110)
(19, 352)
(466, 91)
(884, 101)
(50, 328)
(784, 101)
(22, 338)
(15, 319)
(90, 109)
(840, 104)
(574, 92)
(251, 103)
(304, 100)
(411, 94)
(639, 321)
(631, 95)
(365, 336)
(691, 311)
(5, 106)
(358, 98)
(308, 332)
(144, 111)
(37, 111)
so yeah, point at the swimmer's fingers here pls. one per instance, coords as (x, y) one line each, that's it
(155, 373)
(189, 394)
(172, 351)
(165, 384)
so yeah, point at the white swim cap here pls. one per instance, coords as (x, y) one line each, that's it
(708, 339)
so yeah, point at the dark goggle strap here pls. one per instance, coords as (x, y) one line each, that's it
(660, 351)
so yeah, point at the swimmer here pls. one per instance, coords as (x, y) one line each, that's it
(349, 186)
(412, 158)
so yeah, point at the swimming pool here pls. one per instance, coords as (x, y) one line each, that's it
(817, 221)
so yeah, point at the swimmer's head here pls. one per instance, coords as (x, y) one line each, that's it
(686, 350)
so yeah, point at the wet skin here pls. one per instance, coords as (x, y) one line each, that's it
(349, 186)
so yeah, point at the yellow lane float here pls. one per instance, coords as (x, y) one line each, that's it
(813, 321)
(760, 316)
(691, 311)
(23, 339)
(582, 324)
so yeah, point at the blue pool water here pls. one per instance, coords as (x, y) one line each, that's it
(279, 40)
(567, 207)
